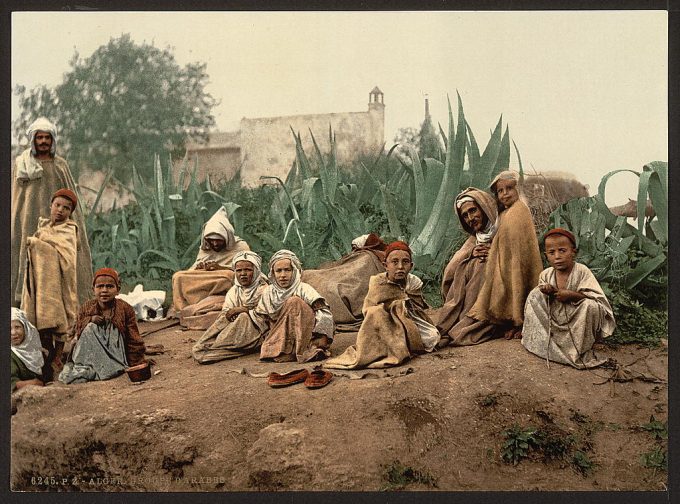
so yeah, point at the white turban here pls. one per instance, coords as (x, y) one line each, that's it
(30, 350)
(219, 226)
(27, 166)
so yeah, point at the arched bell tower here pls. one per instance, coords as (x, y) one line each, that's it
(376, 99)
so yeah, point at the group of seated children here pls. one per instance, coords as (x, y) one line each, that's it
(559, 313)
(102, 336)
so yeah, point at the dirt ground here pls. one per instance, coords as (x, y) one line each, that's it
(435, 423)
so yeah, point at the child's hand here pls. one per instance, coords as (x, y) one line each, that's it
(200, 266)
(547, 289)
(568, 296)
(97, 319)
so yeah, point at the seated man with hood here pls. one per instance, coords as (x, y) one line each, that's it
(298, 318)
(464, 275)
(198, 293)
(236, 331)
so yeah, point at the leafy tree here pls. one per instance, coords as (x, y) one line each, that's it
(121, 105)
(407, 138)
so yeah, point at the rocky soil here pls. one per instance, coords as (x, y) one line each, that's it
(435, 423)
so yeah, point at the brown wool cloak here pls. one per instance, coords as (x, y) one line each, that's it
(31, 200)
(344, 285)
(49, 296)
(512, 269)
(462, 281)
(388, 336)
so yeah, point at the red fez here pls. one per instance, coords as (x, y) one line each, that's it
(68, 194)
(397, 245)
(561, 232)
(107, 272)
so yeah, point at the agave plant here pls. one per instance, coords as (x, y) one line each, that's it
(615, 250)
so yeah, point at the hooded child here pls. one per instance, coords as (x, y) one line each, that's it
(299, 321)
(27, 357)
(514, 261)
(237, 330)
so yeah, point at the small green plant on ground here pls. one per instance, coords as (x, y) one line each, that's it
(488, 400)
(398, 476)
(658, 430)
(582, 463)
(518, 443)
(656, 459)
(551, 443)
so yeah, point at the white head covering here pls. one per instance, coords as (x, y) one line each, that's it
(504, 175)
(487, 205)
(276, 295)
(30, 350)
(42, 124)
(219, 225)
(247, 295)
(27, 166)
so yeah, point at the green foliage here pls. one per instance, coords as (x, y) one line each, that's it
(398, 476)
(518, 442)
(656, 459)
(658, 430)
(582, 463)
(629, 262)
(121, 105)
(642, 321)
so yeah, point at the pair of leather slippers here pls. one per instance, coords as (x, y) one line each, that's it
(314, 380)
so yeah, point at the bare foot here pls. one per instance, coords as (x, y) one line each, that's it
(509, 334)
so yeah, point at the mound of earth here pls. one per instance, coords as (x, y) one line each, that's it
(442, 421)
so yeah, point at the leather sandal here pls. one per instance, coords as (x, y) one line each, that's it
(318, 378)
(277, 380)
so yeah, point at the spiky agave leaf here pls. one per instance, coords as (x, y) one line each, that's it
(430, 238)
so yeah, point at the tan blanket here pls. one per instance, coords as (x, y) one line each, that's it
(511, 270)
(191, 286)
(30, 200)
(344, 285)
(388, 335)
(49, 296)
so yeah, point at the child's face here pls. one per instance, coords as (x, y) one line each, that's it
(398, 265)
(244, 271)
(506, 192)
(560, 252)
(17, 333)
(60, 210)
(105, 289)
(283, 273)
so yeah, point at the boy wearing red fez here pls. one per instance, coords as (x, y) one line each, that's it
(106, 337)
(49, 295)
(395, 325)
(568, 311)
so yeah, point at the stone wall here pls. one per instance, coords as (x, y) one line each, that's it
(268, 147)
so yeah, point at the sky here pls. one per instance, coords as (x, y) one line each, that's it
(582, 92)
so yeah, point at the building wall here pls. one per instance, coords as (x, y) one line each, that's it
(268, 147)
